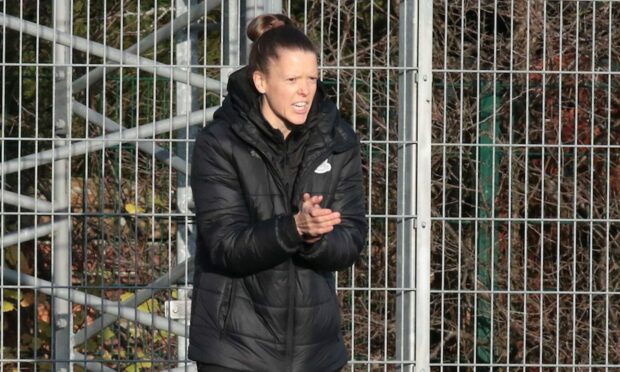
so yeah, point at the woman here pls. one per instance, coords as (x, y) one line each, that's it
(277, 184)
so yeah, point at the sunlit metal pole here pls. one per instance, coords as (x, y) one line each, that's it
(423, 130)
(250, 9)
(187, 102)
(230, 38)
(61, 238)
(414, 180)
(236, 16)
(405, 299)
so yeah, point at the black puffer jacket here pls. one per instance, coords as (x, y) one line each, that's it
(263, 299)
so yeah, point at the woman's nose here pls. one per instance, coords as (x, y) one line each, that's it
(303, 88)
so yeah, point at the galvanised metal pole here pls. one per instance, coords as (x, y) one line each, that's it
(423, 130)
(414, 181)
(407, 182)
(186, 102)
(230, 39)
(26, 234)
(236, 16)
(250, 9)
(26, 202)
(61, 239)
(91, 365)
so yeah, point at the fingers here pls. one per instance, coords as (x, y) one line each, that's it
(317, 199)
(318, 225)
(319, 229)
(319, 212)
(311, 201)
(314, 198)
(330, 219)
(313, 220)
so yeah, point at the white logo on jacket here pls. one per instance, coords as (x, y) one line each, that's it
(324, 167)
(254, 154)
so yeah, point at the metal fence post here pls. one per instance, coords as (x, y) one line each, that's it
(414, 179)
(488, 179)
(187, 102)
(237, 15)
(250, 9)
(405, 298)
(424, 175)
(230, 39)
(61, 245)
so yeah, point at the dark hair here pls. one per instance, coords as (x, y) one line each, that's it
(265, 22)
(266, 46)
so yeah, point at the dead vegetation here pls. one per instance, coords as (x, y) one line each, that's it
(527, 273)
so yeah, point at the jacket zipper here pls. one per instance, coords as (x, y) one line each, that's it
(229, 306)
(290, 331)
(290, 334)
(290, 321)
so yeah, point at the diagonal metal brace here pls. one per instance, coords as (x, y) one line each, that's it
(160, 153)
(112, 139)
(107, 306)
(104, 51)
(146, 43)
(140, 296)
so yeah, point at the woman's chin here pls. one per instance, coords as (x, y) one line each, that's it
(297, 122)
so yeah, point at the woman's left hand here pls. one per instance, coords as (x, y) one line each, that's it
(313, 221)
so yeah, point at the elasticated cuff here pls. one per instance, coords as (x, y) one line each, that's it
(310, 250)
(287, 232)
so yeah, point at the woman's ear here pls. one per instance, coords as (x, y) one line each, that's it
(259, 81)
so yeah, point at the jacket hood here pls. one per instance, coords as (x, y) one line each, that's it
(242, 106)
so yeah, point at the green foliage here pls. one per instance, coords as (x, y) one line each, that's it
(7, 306)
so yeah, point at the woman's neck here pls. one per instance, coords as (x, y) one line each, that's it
(273, 120)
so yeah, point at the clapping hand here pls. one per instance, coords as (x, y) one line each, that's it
(313, 221)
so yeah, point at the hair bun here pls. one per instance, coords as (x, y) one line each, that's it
(265, 22)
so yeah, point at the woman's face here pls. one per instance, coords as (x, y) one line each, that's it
(288, 88)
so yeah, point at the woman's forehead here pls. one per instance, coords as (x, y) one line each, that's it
(294, 59)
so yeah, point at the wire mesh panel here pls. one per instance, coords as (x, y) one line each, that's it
(92, 163)
(358, 66)
(525, 160)
(373, 82)
(100, 103)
